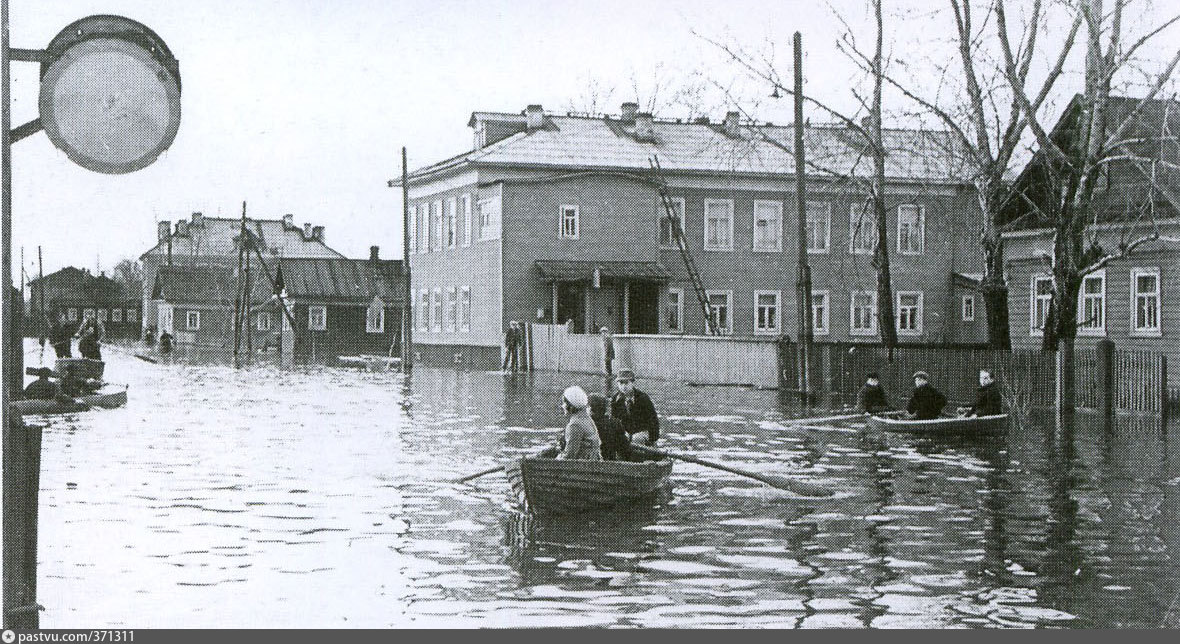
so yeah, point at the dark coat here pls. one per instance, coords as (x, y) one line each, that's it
(987, 401)
(926, 402)
(616, 445)
(41, 389)
(641, 418)
(872, 399)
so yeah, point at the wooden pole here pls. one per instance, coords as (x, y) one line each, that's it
(238, 289)
(247, 308)
(803, 294)
(407, 316)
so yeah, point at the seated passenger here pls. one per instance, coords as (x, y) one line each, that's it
(616, 446)
(988, 401)
(871, 398)
(581, 436)
(926, 402)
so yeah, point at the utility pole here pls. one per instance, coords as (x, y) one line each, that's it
(407, 309)
(803, 284)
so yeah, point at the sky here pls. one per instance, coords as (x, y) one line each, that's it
(302, 107)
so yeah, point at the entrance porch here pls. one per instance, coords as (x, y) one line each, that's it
(622, 296)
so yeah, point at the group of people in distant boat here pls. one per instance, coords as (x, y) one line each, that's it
(70, 384)
(927, 402)
(61, 333)
(600, 429)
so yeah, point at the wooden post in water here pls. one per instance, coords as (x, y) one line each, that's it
(407, 315)
(1104, 380)
(803, 292)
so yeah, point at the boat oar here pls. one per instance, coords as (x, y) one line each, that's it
(798, 487)
(490, 470)
(825, 419)
(146, 359)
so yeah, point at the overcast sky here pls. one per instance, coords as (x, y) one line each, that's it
(302, 107)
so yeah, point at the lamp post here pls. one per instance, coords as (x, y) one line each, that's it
(110, 99)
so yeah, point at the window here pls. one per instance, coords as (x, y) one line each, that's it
(192, 320)
(422, 216)
(435, 226)
(718, 224)
(909, 313)
(413, 224)
(719, 309)
(436, 310)
(862, 229)
(1145, 312)
(766, 312)
(768, 226)
(102, 315)
(569, 222)
(863, 313)
(465, 309)
(449, 310)
(72, 315)
(87, 314)
(489, 218)
(820, 313)
(674, 313)
(264, 322)
(1038, 311)
(375, 316)
(424, 310)
(968, 308)
(317, 318)
(911, 229)
(667, 239)
(132, 315)
(450, 230)
(819, 227)
(116, 315)
(465, 202)
(1092, 304)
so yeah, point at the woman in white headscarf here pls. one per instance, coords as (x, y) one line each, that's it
(581, 440)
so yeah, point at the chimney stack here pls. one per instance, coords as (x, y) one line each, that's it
(163, 230)
(317, 233)
(629, 111)
(733, 124)
(288, 221)
(534, 117)
(307, 231)
(373, 251)
(181, 227)
(198, 219)
(644, 128)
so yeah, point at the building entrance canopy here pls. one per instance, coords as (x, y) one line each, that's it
(567, 271)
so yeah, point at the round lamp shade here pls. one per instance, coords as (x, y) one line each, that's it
(110, 99)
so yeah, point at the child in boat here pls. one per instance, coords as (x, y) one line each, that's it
(581, 436)
(616, 446)
(872, 398)
(926, 402)
(988, 401)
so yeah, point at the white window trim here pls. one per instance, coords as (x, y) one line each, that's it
(1033, 330)
(423, 320)
(827, 317)
(451, 222)
(265, 315)
(188, 320)
(116, 315)
(921, 313)
(728, 203)
(679, 309)
(854, 214)
(87, 314)
(561, 221)
(412, 216)
(728, 310)
(778, 313)
(465, 309)
(921, 220)
(323, 326)
(102, 315)
(827, 206)
(131, 315)
(754, 220)
(1101, 331)
(380, 326)
(963, 309)
(436, 312)
(664, 216)
(467, 212)
(72, 314)
(450, 300)
(1158, 330)
(852, 330)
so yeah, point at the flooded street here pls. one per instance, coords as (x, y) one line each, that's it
(317, 498)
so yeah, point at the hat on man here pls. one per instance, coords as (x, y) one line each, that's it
(576, 397)
(921, 374)
(625, 375)
(874, 375)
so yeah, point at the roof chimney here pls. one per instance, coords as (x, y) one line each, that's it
(732, 124)
(317, 233)
(644, 130)
(534, 117)
(163, 229)
(198, 218)
(373, 251)
(307, 230)
(181, 227)
(629, 110)
(288, 222)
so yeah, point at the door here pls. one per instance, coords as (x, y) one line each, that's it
(644, 307)
(571, 305)
(164, 318)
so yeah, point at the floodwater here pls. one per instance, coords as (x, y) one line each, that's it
(317, 498)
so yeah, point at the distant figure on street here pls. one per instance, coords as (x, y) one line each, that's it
(149, 336)
(165, 342)
(608, 350)
(42, 388)
(926, 402)
(616, 445)
(60, 335)
(580, 441)
(988, 401)
(635, 410)
(872, 398)
(90, 336)
(512, 341)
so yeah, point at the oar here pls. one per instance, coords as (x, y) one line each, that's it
(490, 470)
(798, 487)
(825, 419)
(146, 359)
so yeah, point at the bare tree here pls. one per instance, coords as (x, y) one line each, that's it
(129, 274)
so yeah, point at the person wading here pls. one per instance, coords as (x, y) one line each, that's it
(616, 445)
(512, 342)
(91, 333)
(926, 402)
(60, 336)
(635, 410)
(872, 398)
(580, 441)
(988, 401)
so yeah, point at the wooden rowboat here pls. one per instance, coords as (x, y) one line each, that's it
(108, 400)
(565, 487)
(945, 425)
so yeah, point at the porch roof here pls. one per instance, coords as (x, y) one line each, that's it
(568, 271)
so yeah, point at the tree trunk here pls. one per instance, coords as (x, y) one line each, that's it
(995, 294)
(1065, 398)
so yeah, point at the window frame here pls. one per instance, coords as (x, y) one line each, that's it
(88, 314)
(852, 328)
(921, 229)
(465, 306)
(412, 217)
(722, 330)
(679, 293)
(423, 320)
(778, 313)
(436, 226)
(562, 211)
(72, 314)
(827, 316)
(1034, 298)
(853, 217)
(920, 314)
(263, 315)
(1099, 331)
(436, 310)
(117, 315)
(450, 300)
(728, 203)
(451, 223)
(827, 206)
(664, 218)
(777, 205)
(132, 316)
(465, 202)
(189, 318)
(323, 324)
(380, 326)
(1158, 329)
(963, 313)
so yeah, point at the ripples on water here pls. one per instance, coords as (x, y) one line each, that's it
(254, 497)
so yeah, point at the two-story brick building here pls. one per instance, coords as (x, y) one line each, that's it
(557, 218)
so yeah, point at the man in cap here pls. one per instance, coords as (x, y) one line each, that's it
(512, 342)
(580, 441)
(926, 402)
(635, 410)
(871, 398)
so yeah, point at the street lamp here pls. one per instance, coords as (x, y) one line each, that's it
(110, 99)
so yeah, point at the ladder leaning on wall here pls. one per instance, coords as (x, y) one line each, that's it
(678, 234)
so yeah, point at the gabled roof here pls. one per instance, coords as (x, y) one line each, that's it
(218, 236)
(583, 142)
(336, 280)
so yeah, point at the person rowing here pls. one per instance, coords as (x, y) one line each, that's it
(988, 401)
(926, 402)
(616, 445)
(872, 398)
(635, 410)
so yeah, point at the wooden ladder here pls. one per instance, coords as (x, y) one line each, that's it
(678, 234)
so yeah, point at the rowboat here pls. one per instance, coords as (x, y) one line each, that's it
(944, 425)
(104, 400)
(565, 487)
